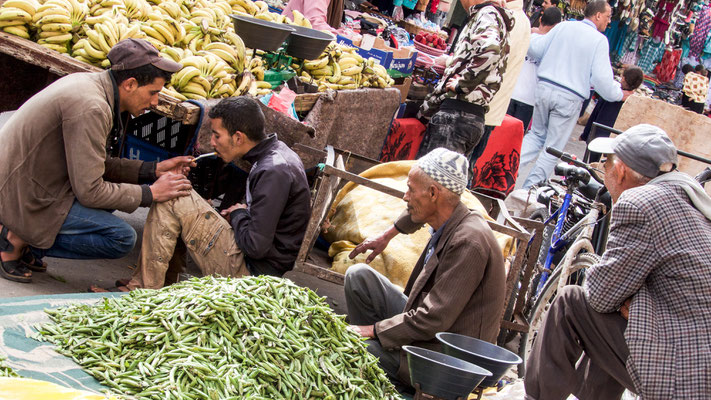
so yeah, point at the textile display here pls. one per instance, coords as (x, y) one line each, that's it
(652, 52)
(701, 30)
(38, 360)
(666, 70)
(497, 168)
(630, 48)
(359, 212)
(403, 141)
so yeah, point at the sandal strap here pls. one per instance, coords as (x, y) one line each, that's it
(14, 267)
(5, 244)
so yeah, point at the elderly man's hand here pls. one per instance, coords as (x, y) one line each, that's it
(625, 308)
(376, 244)
(367, 331)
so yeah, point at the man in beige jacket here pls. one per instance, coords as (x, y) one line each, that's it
(58, 184)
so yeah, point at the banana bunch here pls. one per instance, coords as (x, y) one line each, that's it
(136, 9)
(16, 17)
(300, 20)
(99, 41)
(162, 31)
(56, 20)
(340, 67)
(202, 76)
(229, 54)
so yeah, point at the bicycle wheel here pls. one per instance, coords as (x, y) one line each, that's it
(544, 300)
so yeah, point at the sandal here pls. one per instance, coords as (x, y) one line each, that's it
(31, 262)
(15, 271)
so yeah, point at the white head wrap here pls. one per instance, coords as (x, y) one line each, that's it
(448, 168)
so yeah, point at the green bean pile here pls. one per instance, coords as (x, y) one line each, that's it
(219, 338)
(5, 370)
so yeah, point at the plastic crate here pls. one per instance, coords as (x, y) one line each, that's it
(153, 137)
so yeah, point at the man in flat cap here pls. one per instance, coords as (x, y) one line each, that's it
(457, 284)
(642, 320)
(56, 179)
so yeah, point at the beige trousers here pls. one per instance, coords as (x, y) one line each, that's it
(192, 223)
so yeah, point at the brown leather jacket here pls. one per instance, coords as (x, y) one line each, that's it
(54, 151)
(460, 289)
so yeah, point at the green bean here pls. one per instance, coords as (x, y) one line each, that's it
(219, 338)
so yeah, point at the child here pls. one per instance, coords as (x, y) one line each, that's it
(696, 87)
(606, 112)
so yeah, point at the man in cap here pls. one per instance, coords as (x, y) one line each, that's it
(457, 284)
(261, 236)
(56, 179)
(641, 320)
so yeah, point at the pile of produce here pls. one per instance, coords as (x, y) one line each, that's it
(5, 370)
(340, 67)
(183, 30)
(431, 39)
(218, 338)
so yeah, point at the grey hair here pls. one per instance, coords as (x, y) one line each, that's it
(636, 176)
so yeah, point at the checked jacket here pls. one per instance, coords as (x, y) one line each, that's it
(659, 254)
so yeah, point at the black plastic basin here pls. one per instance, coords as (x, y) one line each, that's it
(307, 43)
(441, 375)
(259, 34)
(484, 354)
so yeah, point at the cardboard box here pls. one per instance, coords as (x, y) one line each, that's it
(404, 88)
(399, 62)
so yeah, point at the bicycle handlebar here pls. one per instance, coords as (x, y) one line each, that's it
(571, 159)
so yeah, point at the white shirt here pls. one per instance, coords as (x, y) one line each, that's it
(525, 89)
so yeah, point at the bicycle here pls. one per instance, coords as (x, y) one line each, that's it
(579, 243)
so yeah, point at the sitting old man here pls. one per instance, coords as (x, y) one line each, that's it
(457, 284)
(260, 236)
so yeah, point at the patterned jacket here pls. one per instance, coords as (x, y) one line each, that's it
(659, 254)
(479, 58)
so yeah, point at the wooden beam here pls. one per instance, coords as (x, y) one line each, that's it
(363, 181)
(320, 272)
(61, 64)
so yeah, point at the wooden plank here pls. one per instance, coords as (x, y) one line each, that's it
(59, 64)
(305, 102)
(364, 181)
(320, 272)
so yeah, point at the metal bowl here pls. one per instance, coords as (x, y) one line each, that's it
(490, 356)
(259, 34)
(308, 44)
(441, 375)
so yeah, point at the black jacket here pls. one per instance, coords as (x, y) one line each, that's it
(270, 230)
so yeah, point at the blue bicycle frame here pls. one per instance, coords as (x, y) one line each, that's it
(556, 242)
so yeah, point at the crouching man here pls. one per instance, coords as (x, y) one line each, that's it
(457, 284)
(261, 236)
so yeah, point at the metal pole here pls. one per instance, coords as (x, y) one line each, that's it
(680, 152)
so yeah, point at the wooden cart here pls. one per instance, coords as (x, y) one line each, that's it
(340, 167)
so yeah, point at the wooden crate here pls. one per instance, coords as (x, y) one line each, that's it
(526, 234)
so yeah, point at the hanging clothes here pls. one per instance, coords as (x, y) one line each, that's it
(651, 53)
(666, 70)
(616, 34)
(661, 20)
(701, 30)
(629, 48)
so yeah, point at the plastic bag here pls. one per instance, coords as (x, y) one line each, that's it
(284, 102)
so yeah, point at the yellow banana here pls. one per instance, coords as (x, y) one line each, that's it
(356, 69)
(165, 31)
(249, 6)
(152, 32)
(316, 64)
(94, 52)
(20, 31)
(336, 72)
(57, 27)
(194, 87)
(347, 62)
(298, 17)
(265, 16)
(63, 38)
(15, 22)
(53, 46)
(263, 85)
(174, 93)
(29, 7)
(54, 19)
(195, 61)
(13, 13)
(48, 34)
(187, 76)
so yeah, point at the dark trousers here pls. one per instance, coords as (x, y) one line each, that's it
(522, 112)
(454, 130)
(572, 328)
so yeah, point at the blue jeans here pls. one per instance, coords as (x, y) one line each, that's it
(554, 118)
(88, 233)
